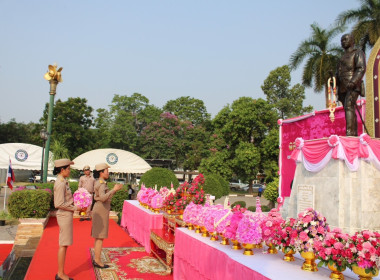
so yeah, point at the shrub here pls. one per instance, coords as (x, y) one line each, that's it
(29, 203)
(161, 177)
(117, 200)
(213, 186)
(265, 208)
(224, 184)
(271, 191)
(252, 208)
(241, 203)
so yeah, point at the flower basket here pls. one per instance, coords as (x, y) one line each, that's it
(365, 249)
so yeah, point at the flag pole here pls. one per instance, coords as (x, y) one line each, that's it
(5, 196)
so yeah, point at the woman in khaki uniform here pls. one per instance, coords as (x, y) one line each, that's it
(64, 202)
(101, 210)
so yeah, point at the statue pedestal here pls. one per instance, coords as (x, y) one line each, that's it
(349, 200)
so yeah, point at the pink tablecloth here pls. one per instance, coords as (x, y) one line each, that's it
(139, 221)
(197, 257)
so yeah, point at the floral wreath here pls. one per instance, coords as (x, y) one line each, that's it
(333, 140)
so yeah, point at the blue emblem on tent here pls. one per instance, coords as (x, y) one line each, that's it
(112, 158)
(21, 155)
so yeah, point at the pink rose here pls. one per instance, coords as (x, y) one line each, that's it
(304, 236)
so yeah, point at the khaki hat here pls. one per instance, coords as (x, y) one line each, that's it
(101, 166)
(62, 162)
(86, 167)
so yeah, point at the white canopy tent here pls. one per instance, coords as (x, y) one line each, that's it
(120, 161)
(23, 156)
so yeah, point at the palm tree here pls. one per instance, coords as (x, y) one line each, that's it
(366, 29)
(321, 57)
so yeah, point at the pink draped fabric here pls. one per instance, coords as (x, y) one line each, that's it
(139, 222)
(194, 259)
(199, 258)
(313, 126)
(315, 154)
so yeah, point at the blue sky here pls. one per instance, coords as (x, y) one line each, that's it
(216, 51)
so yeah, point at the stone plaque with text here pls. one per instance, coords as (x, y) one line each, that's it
(305, 195)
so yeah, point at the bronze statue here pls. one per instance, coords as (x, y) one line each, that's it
(350, 71)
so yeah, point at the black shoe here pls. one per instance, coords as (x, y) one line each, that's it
(88, 219)
(59, 278)
(81, 219)
(98, 266)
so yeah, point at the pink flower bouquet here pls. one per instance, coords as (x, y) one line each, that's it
(157, 201)
(222, 219)
(82, 198)
(271, 227)
(209, 221)
(311, 226)
(141, 192)
(364, 250)
(237, 215)
(288, 235)
(248, 230)
(334, 249)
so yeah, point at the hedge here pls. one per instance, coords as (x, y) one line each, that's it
(213, 186)
(117, 201)
(161, 177)
(29, 203)
(241, 203)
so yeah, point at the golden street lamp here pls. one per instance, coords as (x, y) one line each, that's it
(54, 77)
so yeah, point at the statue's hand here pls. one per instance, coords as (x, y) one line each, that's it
(350, 85)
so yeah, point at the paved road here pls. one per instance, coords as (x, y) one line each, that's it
(7, 232)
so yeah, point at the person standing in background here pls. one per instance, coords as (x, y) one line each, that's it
(87, 181)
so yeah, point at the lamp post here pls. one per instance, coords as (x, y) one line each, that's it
(44, 136)
(54, 77)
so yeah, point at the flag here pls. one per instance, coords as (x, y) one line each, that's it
(10, 176)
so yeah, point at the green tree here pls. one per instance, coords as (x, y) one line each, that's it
(127, 118)
(236, 144)
(288, 101)
(321, 56)
(14, 132)
(188, 108)
(172, 138)
(72, 120)
(366, 19)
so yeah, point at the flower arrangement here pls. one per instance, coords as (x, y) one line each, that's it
(141, 192)
(364, 250)
(82, 198)
(271, 227)
(164, 191)
(209, 221)
(248, 230)
(288, 235)
(311, 226)
(203, 214)
(334, 249)
(157, 201)
(169, 201)
(222, 219)
(180, 204)
(237, 215)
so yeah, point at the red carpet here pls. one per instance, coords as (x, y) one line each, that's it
(78, 261)
(130, 263)
(5, 249)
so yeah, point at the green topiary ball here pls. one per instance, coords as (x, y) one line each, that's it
(118, 198)
(161, 177)
(213, 186)
(271, 191)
